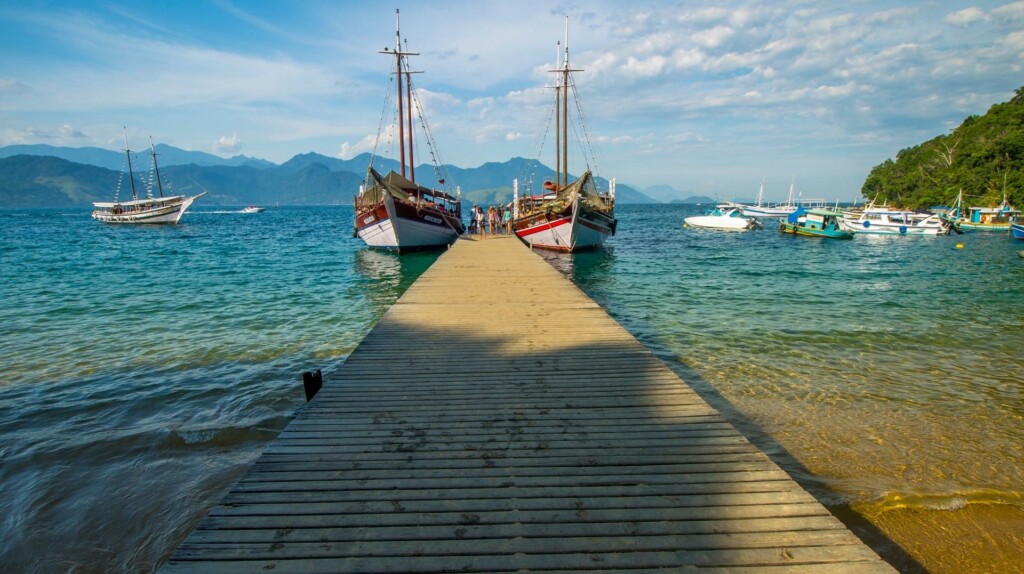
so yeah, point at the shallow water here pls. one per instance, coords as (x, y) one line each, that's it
(884, 373)
(143, 368)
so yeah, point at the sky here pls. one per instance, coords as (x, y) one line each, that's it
(709, 98)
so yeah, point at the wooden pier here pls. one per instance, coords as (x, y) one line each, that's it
(497, 419)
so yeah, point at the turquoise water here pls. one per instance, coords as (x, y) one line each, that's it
(143, 368)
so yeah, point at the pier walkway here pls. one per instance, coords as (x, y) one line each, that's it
(497, 419)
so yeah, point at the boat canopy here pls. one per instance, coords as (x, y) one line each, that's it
(399, 187)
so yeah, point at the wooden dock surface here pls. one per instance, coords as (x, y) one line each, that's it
(497, 419)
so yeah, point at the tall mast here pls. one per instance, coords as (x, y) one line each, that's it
(131, 174)
(408, 93)
(403, 114)
(558, 119)
(156, 168)
(565, 109)
(398, 70)
(562, 115)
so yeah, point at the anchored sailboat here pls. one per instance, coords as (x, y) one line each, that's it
(564, 216)
(146, 209)
(393, 211)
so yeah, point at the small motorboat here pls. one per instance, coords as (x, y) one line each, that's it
(722, 217)
(253, 209)
(815, 223)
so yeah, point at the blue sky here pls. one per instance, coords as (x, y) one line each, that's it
(708, 97)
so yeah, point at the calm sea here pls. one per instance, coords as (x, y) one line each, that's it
(143, 368)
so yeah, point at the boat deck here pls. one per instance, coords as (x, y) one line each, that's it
(497, 419)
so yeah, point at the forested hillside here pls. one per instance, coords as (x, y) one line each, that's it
(984, 157)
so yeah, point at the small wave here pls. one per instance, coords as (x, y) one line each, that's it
(260, 431)
(938, 501)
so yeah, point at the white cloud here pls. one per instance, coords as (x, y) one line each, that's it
(1012, 11)
(227, 144)
(714, 37)
(646, 68)
(966, 17)
(367, 144)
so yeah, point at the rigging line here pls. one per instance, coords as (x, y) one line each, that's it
(540, 143)
(440, 171)
(589, 146)
(380, 124)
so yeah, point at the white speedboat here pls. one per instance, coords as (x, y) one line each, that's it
(253, 209)
(722, 217)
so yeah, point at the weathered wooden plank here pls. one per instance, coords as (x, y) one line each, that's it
(627, 513)
(625, 526)
(702, 492)
(811, 563)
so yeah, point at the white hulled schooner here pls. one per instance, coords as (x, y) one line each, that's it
(146, 209)
(393, 211)
(564, 216)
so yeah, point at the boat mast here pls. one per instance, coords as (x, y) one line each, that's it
(131, 174)
(156, 168)
(408, 112)
(562, 116)
(558, 119)
(565, 109)
(403, 113)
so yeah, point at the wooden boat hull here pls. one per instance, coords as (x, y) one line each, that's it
(165, 210)
(576, 229)
(389, 224)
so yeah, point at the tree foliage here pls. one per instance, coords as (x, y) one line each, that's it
(984, 157)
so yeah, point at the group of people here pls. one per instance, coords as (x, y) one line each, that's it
(493, 220)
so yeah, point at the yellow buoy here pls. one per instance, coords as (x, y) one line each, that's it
(959, 245)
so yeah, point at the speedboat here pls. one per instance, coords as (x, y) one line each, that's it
(722, 217)
(253, 209)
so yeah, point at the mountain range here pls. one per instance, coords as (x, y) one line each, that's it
(48, 176)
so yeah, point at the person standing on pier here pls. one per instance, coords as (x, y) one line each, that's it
(481, 223)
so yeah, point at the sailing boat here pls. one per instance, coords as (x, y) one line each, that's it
(146, 209)
(564, 217)
(772, 210)
(393, 211)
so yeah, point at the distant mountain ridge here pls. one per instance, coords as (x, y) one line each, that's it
(99, 157)
(37, 179)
